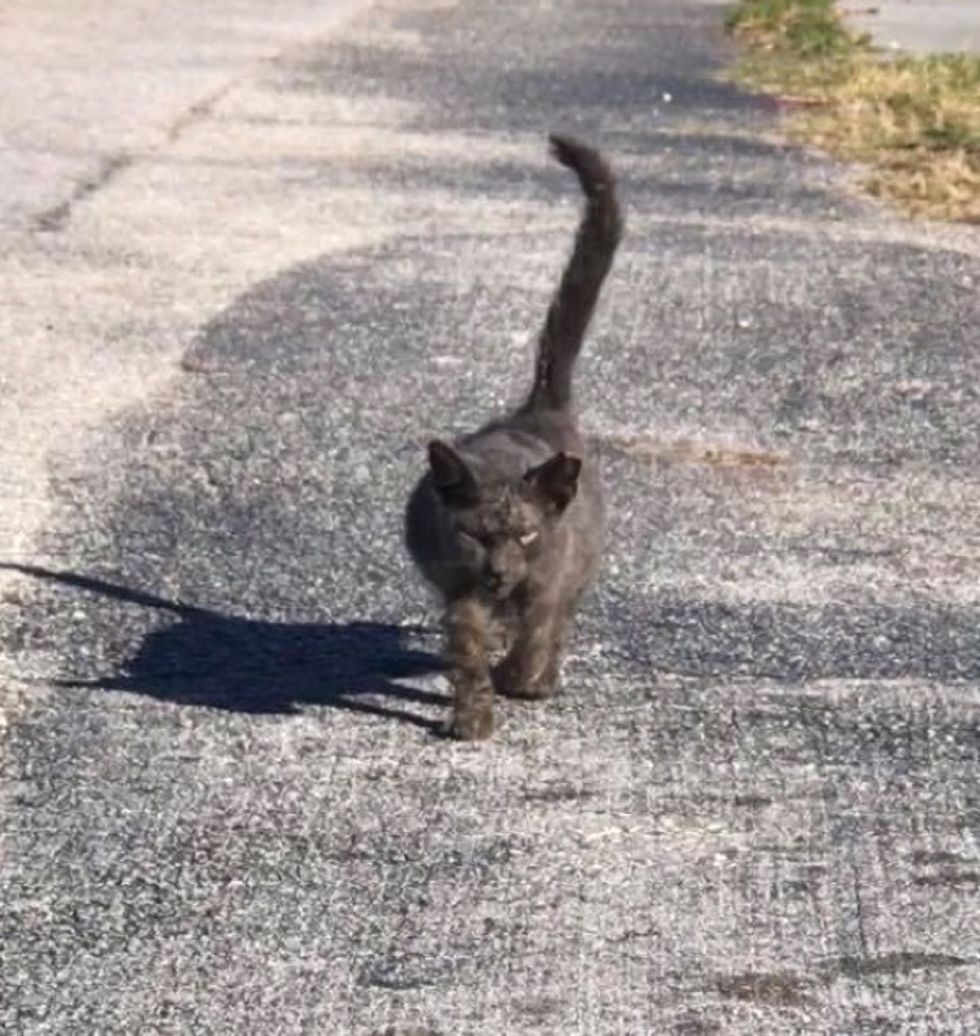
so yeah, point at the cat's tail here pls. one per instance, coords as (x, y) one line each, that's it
(571, 308)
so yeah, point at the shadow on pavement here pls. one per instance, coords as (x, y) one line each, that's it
(248, 665)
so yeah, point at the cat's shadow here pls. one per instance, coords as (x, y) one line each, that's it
(250, 665)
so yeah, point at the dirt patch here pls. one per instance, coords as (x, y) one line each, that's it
(687, 451)
(903, 962)
(773, 988)
(949, 879)
(924, 858)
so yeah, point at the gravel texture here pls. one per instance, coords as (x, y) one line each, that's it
(755, 807)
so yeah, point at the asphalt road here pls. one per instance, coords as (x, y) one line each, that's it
(755, 807)
(120, 233)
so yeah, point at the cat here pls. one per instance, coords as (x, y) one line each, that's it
(507, 523)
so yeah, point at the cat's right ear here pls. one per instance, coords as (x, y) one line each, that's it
(556, 481)
(453, 480)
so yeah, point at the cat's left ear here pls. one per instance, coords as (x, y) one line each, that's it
(556, 480)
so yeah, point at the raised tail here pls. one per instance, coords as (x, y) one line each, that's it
(571, 309)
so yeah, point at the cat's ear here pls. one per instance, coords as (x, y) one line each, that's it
(556, 481)
(451, 477)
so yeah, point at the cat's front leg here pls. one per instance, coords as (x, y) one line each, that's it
(467, 622)
(531, 668)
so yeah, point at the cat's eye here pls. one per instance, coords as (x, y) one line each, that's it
(527, 539)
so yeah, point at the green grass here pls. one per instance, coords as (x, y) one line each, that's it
(810, 28)
(914, 121)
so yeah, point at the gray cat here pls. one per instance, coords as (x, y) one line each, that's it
(507, 523)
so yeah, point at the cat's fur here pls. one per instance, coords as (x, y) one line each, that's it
(507, 523)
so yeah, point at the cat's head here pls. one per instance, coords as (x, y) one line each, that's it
(500, 526)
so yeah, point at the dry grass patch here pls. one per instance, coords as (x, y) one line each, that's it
(914, 121)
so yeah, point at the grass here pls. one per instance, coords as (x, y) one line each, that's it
(914, 121)
(809, 28)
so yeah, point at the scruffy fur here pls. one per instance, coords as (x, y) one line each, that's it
(507, 522)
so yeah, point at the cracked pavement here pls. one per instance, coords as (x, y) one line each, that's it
(754, 808)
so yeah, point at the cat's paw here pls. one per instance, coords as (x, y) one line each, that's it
(511, 682)
(531, 691)
(470, 724)
(500, 639)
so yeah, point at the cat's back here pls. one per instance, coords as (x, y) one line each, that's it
(525, 439)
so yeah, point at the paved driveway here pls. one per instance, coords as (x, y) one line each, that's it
(755, 807)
